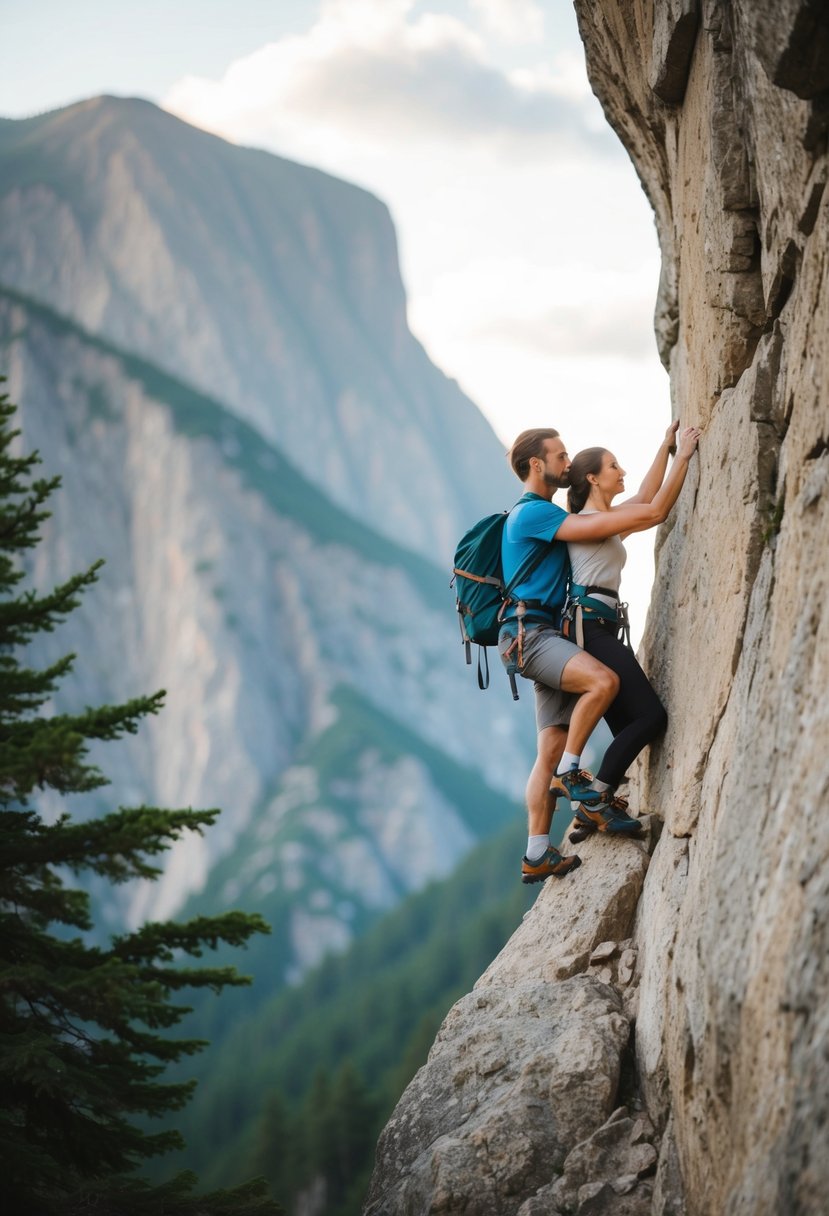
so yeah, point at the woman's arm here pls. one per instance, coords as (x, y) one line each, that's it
(635, 517)
(656, 473)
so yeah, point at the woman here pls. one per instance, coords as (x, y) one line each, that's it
(637, 715)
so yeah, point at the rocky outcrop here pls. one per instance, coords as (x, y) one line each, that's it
(520, 1107)
(723, 107)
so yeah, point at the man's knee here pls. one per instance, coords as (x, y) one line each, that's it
(607, 682)
(584, 674)
(551, 741)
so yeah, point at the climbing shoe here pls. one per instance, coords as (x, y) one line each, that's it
(609, 815)
(577, 786)
(549, 863)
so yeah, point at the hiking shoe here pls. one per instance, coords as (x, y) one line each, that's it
(609, 816)
(549, 863)
(577, 786)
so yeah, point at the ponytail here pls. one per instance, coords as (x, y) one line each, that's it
(588, 461)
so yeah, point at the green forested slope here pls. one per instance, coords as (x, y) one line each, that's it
(288, 1087)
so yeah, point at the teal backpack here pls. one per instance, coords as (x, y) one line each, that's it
(481, 594)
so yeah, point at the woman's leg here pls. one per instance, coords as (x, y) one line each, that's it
(636, 716)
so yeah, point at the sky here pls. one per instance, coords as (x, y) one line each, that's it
(527, 246)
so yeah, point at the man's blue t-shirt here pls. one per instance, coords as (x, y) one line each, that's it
(532, 521)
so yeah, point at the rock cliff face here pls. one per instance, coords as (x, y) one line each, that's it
(723, 107)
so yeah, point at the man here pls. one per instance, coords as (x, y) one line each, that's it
(572, 689)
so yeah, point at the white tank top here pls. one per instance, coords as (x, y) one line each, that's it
(598, 562)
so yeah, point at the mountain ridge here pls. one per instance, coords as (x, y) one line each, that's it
(270, 285)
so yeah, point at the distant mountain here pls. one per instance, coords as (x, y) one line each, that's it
(271, 287)
(209, 346)
(316, 688)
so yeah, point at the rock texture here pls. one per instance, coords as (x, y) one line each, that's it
(723, 108)
(517, 1109)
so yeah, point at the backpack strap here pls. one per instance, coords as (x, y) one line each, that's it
(483, 676)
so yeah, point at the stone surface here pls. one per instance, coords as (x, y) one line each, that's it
(572, 916)
(610, 1162)
(514, 1077)
(791, 40)
(528, 1065)
(675, 24)
(730, 934)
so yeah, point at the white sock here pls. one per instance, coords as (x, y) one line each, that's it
(537, 846)
(568, 760)
(601, 786)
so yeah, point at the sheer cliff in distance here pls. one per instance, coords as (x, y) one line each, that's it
(209, 345)
(654, 1039)
(272, 287)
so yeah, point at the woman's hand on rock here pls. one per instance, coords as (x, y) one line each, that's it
(688, 440)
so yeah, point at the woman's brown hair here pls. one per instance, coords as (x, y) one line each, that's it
(584, 463)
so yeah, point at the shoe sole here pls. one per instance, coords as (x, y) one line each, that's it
(574, 863)
(582, 831)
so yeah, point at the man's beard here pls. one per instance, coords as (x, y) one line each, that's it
(557, 483)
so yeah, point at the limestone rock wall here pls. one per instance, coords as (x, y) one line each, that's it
(730, 141)
(724, 108)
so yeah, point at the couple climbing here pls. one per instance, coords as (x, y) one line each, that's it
(581, 670)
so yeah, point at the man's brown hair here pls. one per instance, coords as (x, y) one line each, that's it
(527, 445)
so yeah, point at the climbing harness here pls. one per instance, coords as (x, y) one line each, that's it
(581, 606)
(513, 656)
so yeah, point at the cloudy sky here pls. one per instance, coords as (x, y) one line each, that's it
(527, 246)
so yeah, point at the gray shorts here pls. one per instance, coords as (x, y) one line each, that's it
(546, 654)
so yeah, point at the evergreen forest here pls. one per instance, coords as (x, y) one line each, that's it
(87, 1032)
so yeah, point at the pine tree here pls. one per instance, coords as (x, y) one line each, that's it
(84, 1029)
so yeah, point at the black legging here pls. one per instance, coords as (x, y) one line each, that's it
(637, 715)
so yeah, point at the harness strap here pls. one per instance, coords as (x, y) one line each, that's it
(578, 591)
(580, 605)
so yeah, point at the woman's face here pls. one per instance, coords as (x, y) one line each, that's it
(610, 480)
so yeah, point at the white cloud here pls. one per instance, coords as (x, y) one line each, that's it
(370, 72)
(600, 330)
(516, 20)
(527, 247)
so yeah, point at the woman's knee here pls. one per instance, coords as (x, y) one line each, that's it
(656, 722)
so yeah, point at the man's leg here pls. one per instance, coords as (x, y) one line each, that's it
(597, 687)
(541, 859)
(558, 668)
(540, 804)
